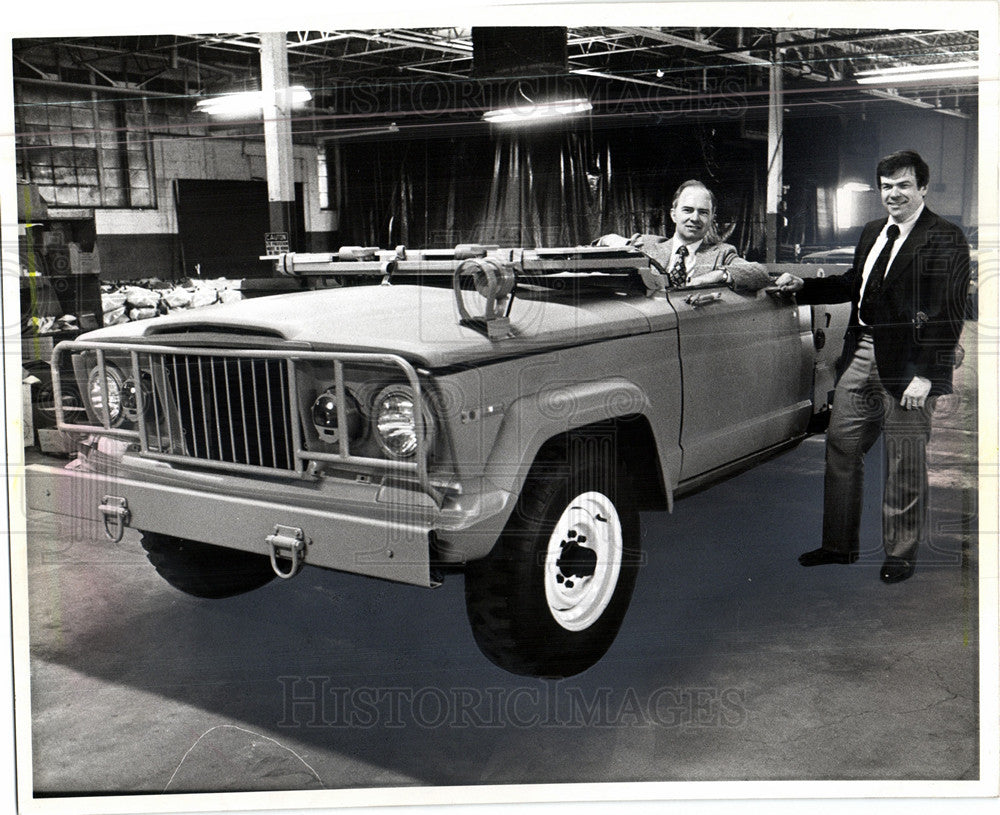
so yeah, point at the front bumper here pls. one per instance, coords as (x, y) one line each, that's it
(382, 540)
(378, 528)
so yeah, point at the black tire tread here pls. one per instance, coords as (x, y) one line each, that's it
(203, 569)
(491, 582)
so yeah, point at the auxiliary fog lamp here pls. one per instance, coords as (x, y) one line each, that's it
(326, 418)
(132, 393)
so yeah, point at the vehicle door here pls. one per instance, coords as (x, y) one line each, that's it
(746, 372)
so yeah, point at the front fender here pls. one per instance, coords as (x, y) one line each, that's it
(530, 422)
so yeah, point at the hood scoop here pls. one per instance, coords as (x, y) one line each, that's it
(202, 329)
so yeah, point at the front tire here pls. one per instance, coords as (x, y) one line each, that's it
(203, 569)
(550, 598)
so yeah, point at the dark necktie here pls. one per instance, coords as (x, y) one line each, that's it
(678, 275)
(870, 302)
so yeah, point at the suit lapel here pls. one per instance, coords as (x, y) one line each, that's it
(904, 257)
(704, 258)
(865, 244)
(867, 241)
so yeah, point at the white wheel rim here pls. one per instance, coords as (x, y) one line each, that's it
(583, 561)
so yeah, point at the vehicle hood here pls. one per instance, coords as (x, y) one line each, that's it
(420, 323)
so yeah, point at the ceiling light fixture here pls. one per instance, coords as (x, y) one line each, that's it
(538, 110)
(918, 73)
(247, 103)
(908, 69)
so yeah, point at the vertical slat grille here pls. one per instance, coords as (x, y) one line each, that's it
(233, 410)
(228, 409)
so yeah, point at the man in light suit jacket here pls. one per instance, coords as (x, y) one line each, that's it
(693, 256)
(907, 289)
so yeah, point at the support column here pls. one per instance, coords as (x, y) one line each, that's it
(277, 105)
(775, 146)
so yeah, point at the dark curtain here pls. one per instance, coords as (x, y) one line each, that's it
(544, 190)
(815, 148)
(541, 188)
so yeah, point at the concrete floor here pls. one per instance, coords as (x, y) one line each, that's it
(734, 663)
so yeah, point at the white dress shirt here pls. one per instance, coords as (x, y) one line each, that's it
(905, 228)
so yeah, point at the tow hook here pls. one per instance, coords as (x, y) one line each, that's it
(116, 516)
(289, 544)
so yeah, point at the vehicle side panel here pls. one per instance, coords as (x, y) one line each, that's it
(829, 324)
(538, 398)
(745, 381)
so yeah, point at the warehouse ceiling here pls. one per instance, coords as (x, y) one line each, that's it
(365, 78)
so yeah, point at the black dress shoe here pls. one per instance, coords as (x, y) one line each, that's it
(824, 557)
(896, 569)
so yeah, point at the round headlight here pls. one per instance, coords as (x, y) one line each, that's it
(327, 422)
(394, 419)
(114, 381)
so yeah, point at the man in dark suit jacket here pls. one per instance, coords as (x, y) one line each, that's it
(907, 290)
